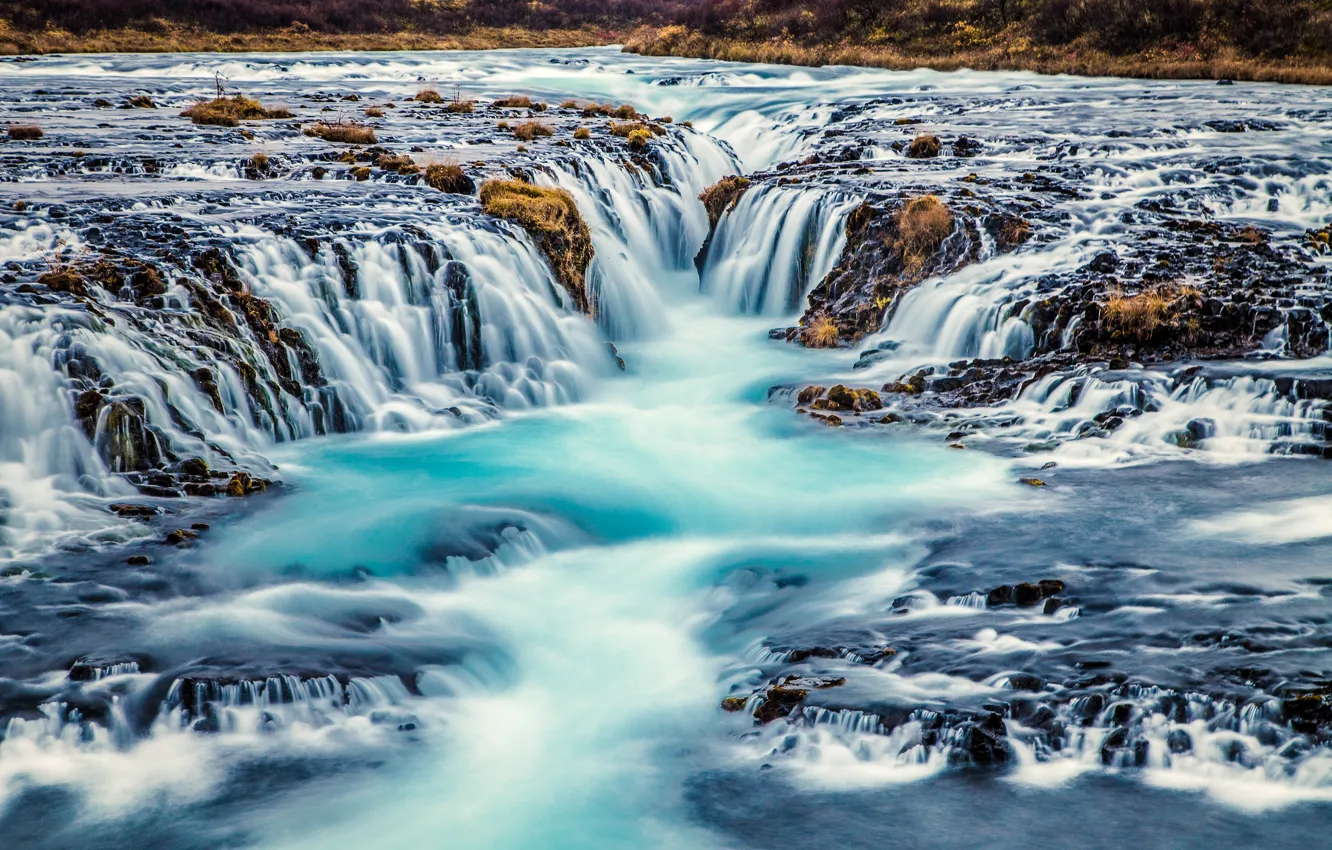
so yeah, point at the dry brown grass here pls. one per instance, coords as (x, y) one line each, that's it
(1251, 235)
(1137, 318)
(428, 96)
(515, 102)
(374, 112)
(551, 218)
(722, 196)
(25, 132)
(923, 223)
(170, 38)
(639, 138)
(402, 164)
(1014, 231)
(259, 161)
(582, 134)
(460, 107)
(142, 101)
(529, 130)
(821, 332)
(230, 111)
(1017, 54)
(449, 177)
(924, 146)
(348, 133)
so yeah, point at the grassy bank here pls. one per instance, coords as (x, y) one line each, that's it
(181, 39)
(1017, 55)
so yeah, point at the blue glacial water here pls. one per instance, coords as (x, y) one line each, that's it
(512, 627)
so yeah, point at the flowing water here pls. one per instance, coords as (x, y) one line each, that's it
(500, 607)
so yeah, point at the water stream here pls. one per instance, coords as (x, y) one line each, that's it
(500, 608)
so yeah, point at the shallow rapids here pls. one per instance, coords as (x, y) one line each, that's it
(512, 595)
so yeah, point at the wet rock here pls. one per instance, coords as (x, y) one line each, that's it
(138, 560)
(733, 704)
(982, 742)
(778, 702)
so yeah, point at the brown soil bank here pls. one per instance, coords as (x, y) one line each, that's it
(171, 38)
(674, 41)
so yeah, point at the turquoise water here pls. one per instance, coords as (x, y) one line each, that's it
(598, 654)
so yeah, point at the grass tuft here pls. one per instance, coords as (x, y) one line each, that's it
(529, 130)
(551, 218)
(821, 332)
(450, 178)
(923, 223)
(25, 132)
(230, 111)
(350, 133)
(722, 196)
(924, 146)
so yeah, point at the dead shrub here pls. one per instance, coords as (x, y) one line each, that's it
(582, 134)
(459, 107)
(428, 96)
(25, 132)
(374, 112)
(516, 102)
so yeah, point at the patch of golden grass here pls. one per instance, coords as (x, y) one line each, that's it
(230, 111)
(459, 107)
(529, 130)
(349, 133)
(923, 223)
(374, 112)
(173, 38)
(428, 96)
(1138, 318)
(924, 146)
(448, 177)
(639, 138)
(722, 196)
(552, 219)
(515, 102)
(1012, 51)
(821, 332)
(582, 134)
(25, 132)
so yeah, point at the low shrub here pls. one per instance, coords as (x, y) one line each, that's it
(25, 132)
(459, 107)
(259, 161)
(401, 164)
(570, 104)
(349, 133)
(582, 134)
(230, 111)
(428, 96)
(141, 101)
(529, 130)
(625, 112)
(923, 223)
(361, 173)
(552, 219)
(374, 112)
(517, 102)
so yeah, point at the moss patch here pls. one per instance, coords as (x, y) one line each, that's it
(551, 218)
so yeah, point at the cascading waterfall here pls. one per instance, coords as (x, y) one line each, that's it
(774, 246)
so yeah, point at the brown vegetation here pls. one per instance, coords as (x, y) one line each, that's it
(722, 196)
(820, 333)
(449, 177)
(923, 223)
(516, 102)
(350, 133)
(230, 111)
(1137, 318)
(374, 112)
(582, 134)
(428, 96)
(529, 130)
(639, 138)
(25, 132)
(459, 107)
(551, 218)
(924, 146)
(141, 101)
